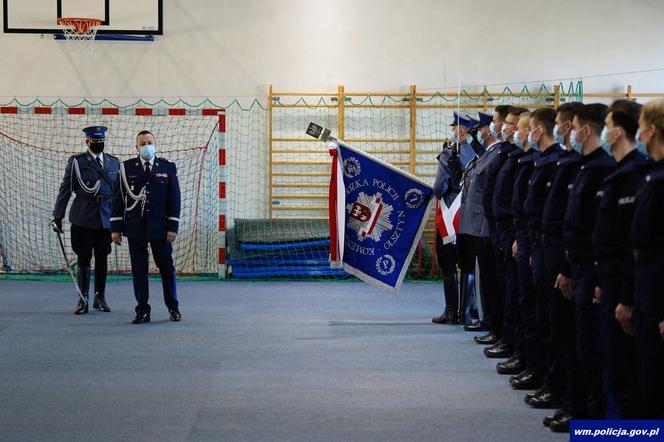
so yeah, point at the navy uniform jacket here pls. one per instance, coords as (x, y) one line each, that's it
(487, 199)
(553, 213)
(524, 169)
(471, 218)
(581, 211)
(157, 212)
(504, 187)
(443, 187)
(545, 165)
(614, 220)
(647, 236)
(89, 209)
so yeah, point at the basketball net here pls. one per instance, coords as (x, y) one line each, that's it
(80, 32)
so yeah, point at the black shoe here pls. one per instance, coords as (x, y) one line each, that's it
(545, 400)
(523, 373)
(82, 306)
(447, 317)
(83, 282)
(498, 350)
(511, 366)
(556, 415)
(474, 326)
(141, 318)
(175, 315)
(530, 382)
(488, 339)
(99, 303)
(532, 394)
(561, 425)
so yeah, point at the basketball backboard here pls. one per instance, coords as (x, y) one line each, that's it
(129, 17)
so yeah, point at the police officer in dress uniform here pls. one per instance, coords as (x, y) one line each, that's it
(451, 162)
(484, 248)
(512, 339)
(541, 138)
(474, 224)
(558, 273)
(90, 176)
(521, 250)
(146, 209)
(498, 202)
(580, 216)
(648, 243)
(615, 264)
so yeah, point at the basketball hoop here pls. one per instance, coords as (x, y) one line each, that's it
(80, 31)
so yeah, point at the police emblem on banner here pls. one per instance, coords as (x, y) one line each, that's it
(380, 217)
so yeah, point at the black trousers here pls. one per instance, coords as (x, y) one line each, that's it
(86, 242)
(161, 252)
(619, 349)
(554, 379)
(447, 255)
(648, 312)
(588, 326)
(562, 329)
(486, 260)
(512, 326)
(528, 304)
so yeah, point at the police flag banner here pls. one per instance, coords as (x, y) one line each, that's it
(377, 215)
(447, 219)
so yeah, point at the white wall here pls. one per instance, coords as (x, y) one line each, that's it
(235, 48)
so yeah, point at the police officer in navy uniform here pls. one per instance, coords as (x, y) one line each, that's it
(146, 209)
(90, 176)
(451, 162)
(580, 216)
(474, 224)
(557, 271)
(501, 183)
(615, 266)
(648, 242)
(521, 250)
(542, 123)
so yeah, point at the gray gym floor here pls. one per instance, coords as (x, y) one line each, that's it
(268, 361)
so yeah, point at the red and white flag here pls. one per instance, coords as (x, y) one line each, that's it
(447, 219)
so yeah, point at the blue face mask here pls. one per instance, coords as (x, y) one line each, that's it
(504, 135)
(605, 144)
(576, 145)
(640, 145)
(492, 129)
(517, 140)
(147, 152)
(532, 143)
(560, 139)
(480, 137)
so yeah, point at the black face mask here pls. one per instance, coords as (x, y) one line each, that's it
(97, 146)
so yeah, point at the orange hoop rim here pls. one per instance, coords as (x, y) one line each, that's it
(81, 25)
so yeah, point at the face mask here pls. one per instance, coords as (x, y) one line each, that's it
(147, 152)
(469, 139)
(480, 137)
(640, 145)
(505, 134)
(517, 140)
(560, 139)
(532, 143)
(492, 129)
(97, 147)
(605, 143)
(576, 145)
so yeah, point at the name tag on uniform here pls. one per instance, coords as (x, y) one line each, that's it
(626, 200)
(161, 175)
